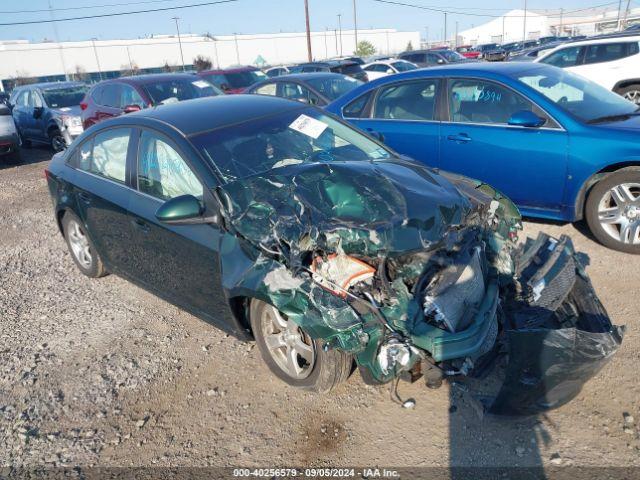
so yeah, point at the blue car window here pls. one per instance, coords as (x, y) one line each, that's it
(162, 172)
(566, 57)
(407, 101)
(479, 101)
(356, 109)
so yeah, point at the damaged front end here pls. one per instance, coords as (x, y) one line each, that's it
(417, 274)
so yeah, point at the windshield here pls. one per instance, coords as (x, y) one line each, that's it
(244, 79)
(300, 136)
(174, 90)
(403, 66)
(64, 97)
(333, 88)
(582, 98)
(451, 56)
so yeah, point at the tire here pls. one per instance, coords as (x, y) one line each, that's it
(321, 373)
(612, 210)
(630, 92)
(57, 141)
(90, 263)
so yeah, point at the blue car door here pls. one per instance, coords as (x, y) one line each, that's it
(528, 164)
(403, 115)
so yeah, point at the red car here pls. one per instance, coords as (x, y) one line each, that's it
(129, 94)
(233, 80)
(467, 51)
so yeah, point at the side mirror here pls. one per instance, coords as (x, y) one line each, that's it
(224, 87)
(182, 210)
(131, 109)
(526, 118)
(390, 71)
(37, 112)
(440, 61)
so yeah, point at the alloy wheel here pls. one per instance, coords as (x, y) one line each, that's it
(80, 244)
(619, 213)
(633, 96)
(291, 349)
(58, 143)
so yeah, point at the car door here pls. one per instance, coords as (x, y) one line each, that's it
(180, 262)
(403, 115)
(527, 164)
(39, 122)
(101, 193)
(21, 113)
(109, 102)
(608, 63)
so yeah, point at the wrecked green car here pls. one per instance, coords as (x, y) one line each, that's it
(333, 251)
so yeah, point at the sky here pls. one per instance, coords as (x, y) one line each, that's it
(254, 16)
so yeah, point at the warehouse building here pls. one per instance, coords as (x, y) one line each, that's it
(95, 59)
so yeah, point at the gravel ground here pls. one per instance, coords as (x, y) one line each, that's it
(100, 372)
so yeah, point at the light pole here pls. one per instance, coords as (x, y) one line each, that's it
(503, 17)
(340, 30)
(179, 41)
(235, 39)
(524, 23)
(355, 24)
(306, 17)
(95, 52)
(445, 29)
(456, 39)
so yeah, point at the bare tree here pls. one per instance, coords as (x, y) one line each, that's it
(129, 70)
(202, 63)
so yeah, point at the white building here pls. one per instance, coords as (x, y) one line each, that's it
(510, 27)
(52, 61)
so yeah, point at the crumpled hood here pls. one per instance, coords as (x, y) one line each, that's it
(368, 208)
(74, 110)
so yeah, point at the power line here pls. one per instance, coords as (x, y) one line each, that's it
(118, 13)
(84, 7)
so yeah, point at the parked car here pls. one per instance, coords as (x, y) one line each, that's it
(382, 68)
(514, 48)
(530, 54)
(345, 67)
(48, 113)
(279, 222)
(491, 52)
(560, 146)
(4, 99)
(351, 58)
(233, 80)
(319, 88)
(431, 58)
(467, 51)
(129, 94)
(9, 141)
(277, 71)
(611, 62)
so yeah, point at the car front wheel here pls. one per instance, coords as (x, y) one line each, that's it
(613, 210)
(57, 141)
(631, 93)
(292, 355)
(80, 246)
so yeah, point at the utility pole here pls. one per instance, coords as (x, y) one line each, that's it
(524, 23)
(95, 52)
(618, 25)
(626, 13)
(235, 39)
(445, 29)
(426, 38)
(340, 30)
(306, 18)
(57, 37)
(456, 39)
(130, 62)
(326, 50)
(335, 36)
(179, 41)
(355, 24)
(562, 13)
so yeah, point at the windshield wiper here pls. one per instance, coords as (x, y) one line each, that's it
(613, 118)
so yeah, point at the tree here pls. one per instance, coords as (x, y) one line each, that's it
(169, 68)
(409, 47)
(202, 63)
(80, 74)
(129, 69)
(365, 49)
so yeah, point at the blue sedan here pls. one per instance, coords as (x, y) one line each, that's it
(560, 146)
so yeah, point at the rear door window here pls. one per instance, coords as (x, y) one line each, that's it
(608, 52)
(109, 158)
(267, 89)
(130, 96)
(407, 101)
(111, 95)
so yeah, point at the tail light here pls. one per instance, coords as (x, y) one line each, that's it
(46, 174)
(83, 105)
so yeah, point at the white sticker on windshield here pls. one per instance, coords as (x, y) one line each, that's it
(309, 126)
(200, 84)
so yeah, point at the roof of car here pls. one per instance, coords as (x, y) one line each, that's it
(53, 85)
(154, 77)
(328, 63)
(611, 39)
(222, 71)
(304, 76)
(205, 114)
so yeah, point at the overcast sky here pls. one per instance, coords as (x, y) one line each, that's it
(255, 16)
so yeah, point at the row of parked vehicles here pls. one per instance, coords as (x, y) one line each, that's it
(559, 145)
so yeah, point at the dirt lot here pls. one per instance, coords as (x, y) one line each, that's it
(100, 372)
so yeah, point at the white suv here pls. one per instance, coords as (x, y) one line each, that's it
(612, 62)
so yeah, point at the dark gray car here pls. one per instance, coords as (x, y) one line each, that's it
(48, 113)
(431, 58)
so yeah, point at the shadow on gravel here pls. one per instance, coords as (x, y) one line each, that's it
(28, 156)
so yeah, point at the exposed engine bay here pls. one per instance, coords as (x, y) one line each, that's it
(418, 274)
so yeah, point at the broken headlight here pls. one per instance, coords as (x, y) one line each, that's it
(338, 272)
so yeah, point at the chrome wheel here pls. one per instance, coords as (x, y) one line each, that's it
(619, 213)
(58, 143)
(291, 349)
(633, 96)
(79, 245)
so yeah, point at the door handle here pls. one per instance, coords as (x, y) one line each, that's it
(141, 225)
(460, 138)
(84, 198)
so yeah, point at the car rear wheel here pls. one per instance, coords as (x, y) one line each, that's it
(631, 93)
(57, 141)
(81, 248)
(292, 355)
(613, 210)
